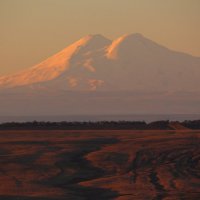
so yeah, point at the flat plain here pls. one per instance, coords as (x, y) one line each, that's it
(100, 164)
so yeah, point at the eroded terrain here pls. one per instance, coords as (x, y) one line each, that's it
(122, 165)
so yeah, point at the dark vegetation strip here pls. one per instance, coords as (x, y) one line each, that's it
(195, 124)
(100, 125)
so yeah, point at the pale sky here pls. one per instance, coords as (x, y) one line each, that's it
(32, 30)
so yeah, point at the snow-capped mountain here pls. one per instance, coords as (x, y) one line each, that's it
(61, 66)
(95, 75)
(131, 62)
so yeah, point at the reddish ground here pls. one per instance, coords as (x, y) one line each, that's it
(98, 165)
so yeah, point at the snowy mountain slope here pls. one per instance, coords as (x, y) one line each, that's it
(152, 66)
(58, 64)
(131, 62)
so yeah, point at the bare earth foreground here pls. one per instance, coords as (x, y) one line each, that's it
(58, 165)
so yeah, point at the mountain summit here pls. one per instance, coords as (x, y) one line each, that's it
(54, 66)
(131, 62)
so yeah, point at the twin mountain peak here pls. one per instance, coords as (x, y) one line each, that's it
(131, 62)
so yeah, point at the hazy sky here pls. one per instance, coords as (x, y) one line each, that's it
(32, 30)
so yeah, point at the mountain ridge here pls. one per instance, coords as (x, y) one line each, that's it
(130, 62)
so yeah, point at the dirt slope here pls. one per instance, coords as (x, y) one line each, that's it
(122, 165)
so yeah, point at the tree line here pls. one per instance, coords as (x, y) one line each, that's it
(99, 125)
